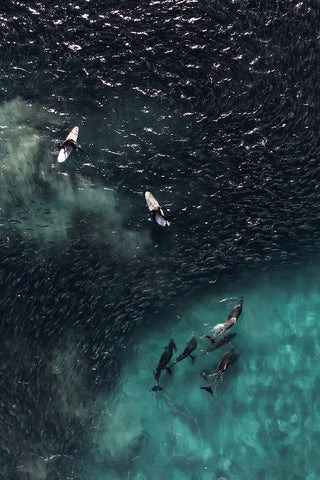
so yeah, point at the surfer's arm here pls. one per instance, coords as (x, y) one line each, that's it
(73, 144)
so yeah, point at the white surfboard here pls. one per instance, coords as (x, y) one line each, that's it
(66, 151)
(153, 204)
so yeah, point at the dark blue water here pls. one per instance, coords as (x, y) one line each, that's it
(212, 106)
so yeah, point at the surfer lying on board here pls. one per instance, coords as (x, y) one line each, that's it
(71, 143)
(155, 210)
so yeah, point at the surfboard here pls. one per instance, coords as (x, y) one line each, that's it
(66, 150)
(153, 204)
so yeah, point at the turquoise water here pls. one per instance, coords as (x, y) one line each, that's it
(211, 107)
(262, 421)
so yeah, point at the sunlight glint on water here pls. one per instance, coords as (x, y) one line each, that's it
(211, 106)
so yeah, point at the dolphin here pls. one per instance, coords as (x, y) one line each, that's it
(228, 358)
(231, 319)
(191, 345)
(217, 343)
(165, 359)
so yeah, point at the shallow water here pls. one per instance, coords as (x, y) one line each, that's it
(262, 418)
(211, 107)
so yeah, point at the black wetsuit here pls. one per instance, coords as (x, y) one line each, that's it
(71, 143)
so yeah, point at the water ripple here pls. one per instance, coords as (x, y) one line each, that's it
(212, 106)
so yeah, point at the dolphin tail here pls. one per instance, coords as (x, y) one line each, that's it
(169, 370)
(156, 388)
(208, 389)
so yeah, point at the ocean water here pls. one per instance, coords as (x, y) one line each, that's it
(261, 421)
(212, 106)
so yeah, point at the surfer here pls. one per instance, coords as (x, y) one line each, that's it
(155, 210)
(228, 358)
(71, 143)
(231, 319)
(191, 346)
(68, 145)
(165, 359)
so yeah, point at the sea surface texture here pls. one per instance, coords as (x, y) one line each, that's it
(213, 107)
